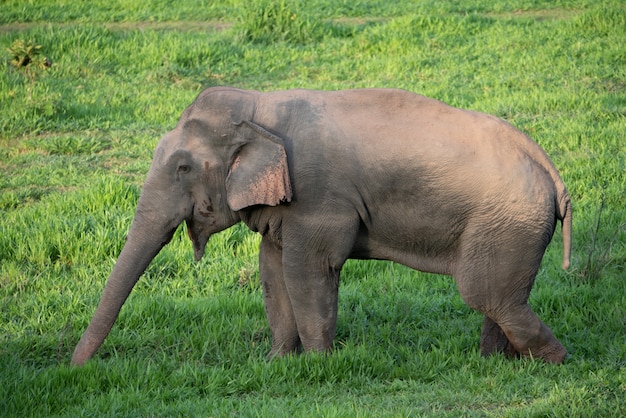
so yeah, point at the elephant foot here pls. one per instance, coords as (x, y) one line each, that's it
(547, 347)
(494, 341)
(292, 347)
(543, 346)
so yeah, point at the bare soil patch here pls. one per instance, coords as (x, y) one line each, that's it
(182, 26)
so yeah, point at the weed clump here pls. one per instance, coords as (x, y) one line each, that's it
(31, 98)
(26, 56)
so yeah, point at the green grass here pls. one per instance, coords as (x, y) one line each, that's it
(76, 140)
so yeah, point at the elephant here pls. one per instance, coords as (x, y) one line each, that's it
(326, 176)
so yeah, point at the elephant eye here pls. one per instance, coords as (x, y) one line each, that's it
(184, 168)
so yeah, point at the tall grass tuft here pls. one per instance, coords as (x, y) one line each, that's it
(604, 235)
(269, 21)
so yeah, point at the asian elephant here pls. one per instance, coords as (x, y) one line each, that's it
(365, 174)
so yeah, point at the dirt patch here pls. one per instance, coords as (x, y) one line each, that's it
(547, 14)
(358, 21)
(182, 26)
(178, 25)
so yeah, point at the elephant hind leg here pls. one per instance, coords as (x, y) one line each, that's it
(495, 278)
(510, 325)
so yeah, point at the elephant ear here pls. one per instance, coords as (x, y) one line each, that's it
(259, 174)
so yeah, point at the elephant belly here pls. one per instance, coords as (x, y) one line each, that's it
(431, 256)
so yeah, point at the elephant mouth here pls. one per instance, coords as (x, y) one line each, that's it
(198, 237)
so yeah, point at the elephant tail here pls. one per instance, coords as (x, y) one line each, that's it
(563, 201)
(564, 208)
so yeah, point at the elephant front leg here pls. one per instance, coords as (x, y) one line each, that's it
(313, 286)
(278, 308)
(314, 298)
(313, 255)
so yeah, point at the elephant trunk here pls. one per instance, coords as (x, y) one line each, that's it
(142, 245)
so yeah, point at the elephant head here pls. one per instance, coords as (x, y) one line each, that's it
(214, 164)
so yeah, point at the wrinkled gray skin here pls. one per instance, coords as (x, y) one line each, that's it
(367, 174)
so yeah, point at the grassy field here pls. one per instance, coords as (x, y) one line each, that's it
(76, 139)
